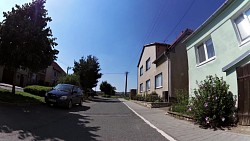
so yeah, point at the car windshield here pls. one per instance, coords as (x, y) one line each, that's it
(65, 88)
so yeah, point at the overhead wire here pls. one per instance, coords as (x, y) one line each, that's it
(184, 15)
(150, 31)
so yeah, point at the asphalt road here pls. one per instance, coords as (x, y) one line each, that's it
(100, 119)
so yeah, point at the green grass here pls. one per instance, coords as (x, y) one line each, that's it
(37, 90)
(127, 98)
(106, 96)
(19, 97)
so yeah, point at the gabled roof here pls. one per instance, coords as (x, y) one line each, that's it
(211, 18)
(150, 45)
(57, 67)
(179, 39)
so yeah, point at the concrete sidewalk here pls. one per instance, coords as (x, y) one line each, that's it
(9, 87)
(182, 130)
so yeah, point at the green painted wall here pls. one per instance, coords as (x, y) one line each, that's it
(226, 45)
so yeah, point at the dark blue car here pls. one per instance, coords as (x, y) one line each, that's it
(65, 95)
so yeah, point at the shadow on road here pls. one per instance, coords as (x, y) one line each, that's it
(45, 123)
(105, 100)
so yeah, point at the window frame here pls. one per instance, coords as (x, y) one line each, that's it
(242, 12)
(203, 44)
(148, 87)
(161, 81)
(148, 64)
(141, 87)
(141, 70)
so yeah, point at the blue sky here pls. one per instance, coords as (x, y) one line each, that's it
(116, 30)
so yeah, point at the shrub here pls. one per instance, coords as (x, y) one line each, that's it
(106, 96)
(213, 105)
(139, 97)
(69, 79)
(153, 97)
(37, 90)
(181, 103)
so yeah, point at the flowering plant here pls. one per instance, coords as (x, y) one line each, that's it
(213, 105)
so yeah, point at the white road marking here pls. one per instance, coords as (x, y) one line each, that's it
(150, 124)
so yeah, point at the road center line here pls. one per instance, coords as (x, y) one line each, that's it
(150, 124)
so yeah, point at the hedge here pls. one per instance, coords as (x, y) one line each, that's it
(37, 90)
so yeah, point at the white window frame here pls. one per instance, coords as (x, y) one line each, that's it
(161, 81)
(141, 70)
(148, 64)
(148, 86)
(141, 87)
(198, 63)
(243, 12)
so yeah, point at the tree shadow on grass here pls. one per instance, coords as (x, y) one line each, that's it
(44, 123)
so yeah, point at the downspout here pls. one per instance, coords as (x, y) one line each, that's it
(169, 74)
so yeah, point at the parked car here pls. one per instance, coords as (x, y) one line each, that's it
(64, 95)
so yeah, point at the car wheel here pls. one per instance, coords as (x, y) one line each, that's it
(70, 104)
(81, 102)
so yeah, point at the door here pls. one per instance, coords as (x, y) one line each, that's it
(243, 79)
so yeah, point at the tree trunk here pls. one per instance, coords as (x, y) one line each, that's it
(14, 82)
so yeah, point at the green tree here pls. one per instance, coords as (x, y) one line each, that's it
(88, 70)
(107, 88)
(69, 79)
(25, 39)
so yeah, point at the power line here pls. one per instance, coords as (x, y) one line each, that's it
(150, 30)
(155, 22)
(185, 13)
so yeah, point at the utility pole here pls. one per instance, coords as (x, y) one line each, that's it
(126, 83)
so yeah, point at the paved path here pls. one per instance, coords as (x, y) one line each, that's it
(101, 119)
(181, 130)
(98, 120)
(9, 87)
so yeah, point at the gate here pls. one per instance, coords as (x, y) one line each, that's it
(243, 79)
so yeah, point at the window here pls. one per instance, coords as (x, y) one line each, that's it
(141, 87)
(242, 23)
(158, 81)
(55, 74)
(205, 51)
(148, 85)
(148, 64)
(141, 70)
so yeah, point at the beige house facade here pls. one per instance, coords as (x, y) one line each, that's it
(163, 68)
(53, 73)
(24, 77)
(152, 77)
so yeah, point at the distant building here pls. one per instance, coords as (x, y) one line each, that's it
(163, 68)
(25, 77)
(53, 72)
(152, 77)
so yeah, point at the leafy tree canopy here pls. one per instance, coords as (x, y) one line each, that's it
(25, 39)
(69, 79)
(107, 88)
(88, 70)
